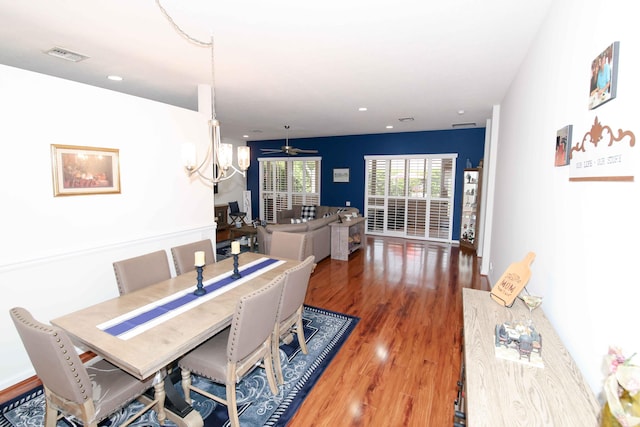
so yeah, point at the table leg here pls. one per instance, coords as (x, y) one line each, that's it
(160, 395)
(171, 405)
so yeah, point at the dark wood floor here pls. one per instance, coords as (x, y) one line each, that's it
(401, 364)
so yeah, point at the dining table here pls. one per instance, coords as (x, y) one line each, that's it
(145, 331)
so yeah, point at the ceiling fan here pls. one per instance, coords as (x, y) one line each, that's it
(287, 149)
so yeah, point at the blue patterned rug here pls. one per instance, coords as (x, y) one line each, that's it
(324, 331)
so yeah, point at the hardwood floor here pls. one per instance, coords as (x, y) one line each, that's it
(401, 364)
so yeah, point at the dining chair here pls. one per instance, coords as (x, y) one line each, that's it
(88, 392)
(231, 354)
(289, 245)
(235, 214)
(183, 257)
(141, 271)
(289, 319)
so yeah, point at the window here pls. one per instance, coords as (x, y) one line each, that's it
(286, 182)
(410, 196)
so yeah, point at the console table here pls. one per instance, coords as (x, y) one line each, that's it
(346, 237)
(507, 393)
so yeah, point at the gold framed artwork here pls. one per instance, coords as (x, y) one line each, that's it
(81, 170)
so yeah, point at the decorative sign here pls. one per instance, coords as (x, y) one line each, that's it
(512, 281)
(604, 156)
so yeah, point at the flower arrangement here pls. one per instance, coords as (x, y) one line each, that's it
(621, 388)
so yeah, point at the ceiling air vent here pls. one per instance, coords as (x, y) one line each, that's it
(66, 54)
(463, 125)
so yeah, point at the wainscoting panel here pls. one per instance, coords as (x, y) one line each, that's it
(52, 286)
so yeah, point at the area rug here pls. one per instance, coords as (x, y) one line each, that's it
(324, 331)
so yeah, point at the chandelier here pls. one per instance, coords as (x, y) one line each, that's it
(219, 156)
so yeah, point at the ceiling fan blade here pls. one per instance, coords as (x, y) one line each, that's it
(301, 150)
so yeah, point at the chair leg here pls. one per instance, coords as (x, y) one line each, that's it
(186, 385)
(232, 404)
(300, 333)
(50, 415)
(275, 354)
(268, 366)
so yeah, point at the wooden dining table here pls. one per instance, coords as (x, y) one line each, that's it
(147, 349)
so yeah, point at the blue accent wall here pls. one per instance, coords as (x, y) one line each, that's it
(349, 152)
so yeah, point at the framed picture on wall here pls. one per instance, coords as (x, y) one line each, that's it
(341, 175)
(85, 170)
(563, 145)
(604, 76)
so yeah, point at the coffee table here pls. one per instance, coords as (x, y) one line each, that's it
(246, 230)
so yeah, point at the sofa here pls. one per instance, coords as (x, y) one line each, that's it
(297, 220)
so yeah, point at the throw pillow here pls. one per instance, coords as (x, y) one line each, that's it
(308, 212)
(340, 210)
(328, 214)
(298, 220)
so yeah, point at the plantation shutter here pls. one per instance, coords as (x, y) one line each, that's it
(410, 196)
(286, 182)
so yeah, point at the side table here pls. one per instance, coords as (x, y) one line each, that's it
(346, 237)
(246, 230)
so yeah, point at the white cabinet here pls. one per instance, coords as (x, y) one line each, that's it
(346, 237)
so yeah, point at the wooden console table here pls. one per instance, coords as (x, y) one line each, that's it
(346, 237)
(507, 393)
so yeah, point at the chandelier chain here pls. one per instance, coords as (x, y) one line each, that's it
(197, 42)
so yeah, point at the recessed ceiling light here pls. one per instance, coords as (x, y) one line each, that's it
(362, 109)
(115, 78)
(461, 112)
(389, 127)
(245, 136)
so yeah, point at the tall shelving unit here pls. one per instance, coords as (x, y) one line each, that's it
(471, 196)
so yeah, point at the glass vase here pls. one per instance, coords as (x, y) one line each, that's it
(630, 406)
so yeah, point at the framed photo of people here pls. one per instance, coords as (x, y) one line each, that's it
(604, 76)
(563, 145)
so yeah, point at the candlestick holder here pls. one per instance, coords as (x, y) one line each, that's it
(236, 274)
(201, 290)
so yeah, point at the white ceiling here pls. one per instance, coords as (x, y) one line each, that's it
(308, 64)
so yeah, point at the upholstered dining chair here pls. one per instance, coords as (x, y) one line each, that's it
(289, 320)
(141, 271)
(231, 354)
(183, 257)
(235, 214)
(289, 245)
(88, 392)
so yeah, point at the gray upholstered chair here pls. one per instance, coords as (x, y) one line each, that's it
(89, 392)
(289, 245)
(228, 356)
(289, 320)
(183, 257)
(141, 271)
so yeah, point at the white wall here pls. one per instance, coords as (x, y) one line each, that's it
(582, 232)
(56, 253)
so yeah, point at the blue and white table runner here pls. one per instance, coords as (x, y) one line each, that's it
(146, 317)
